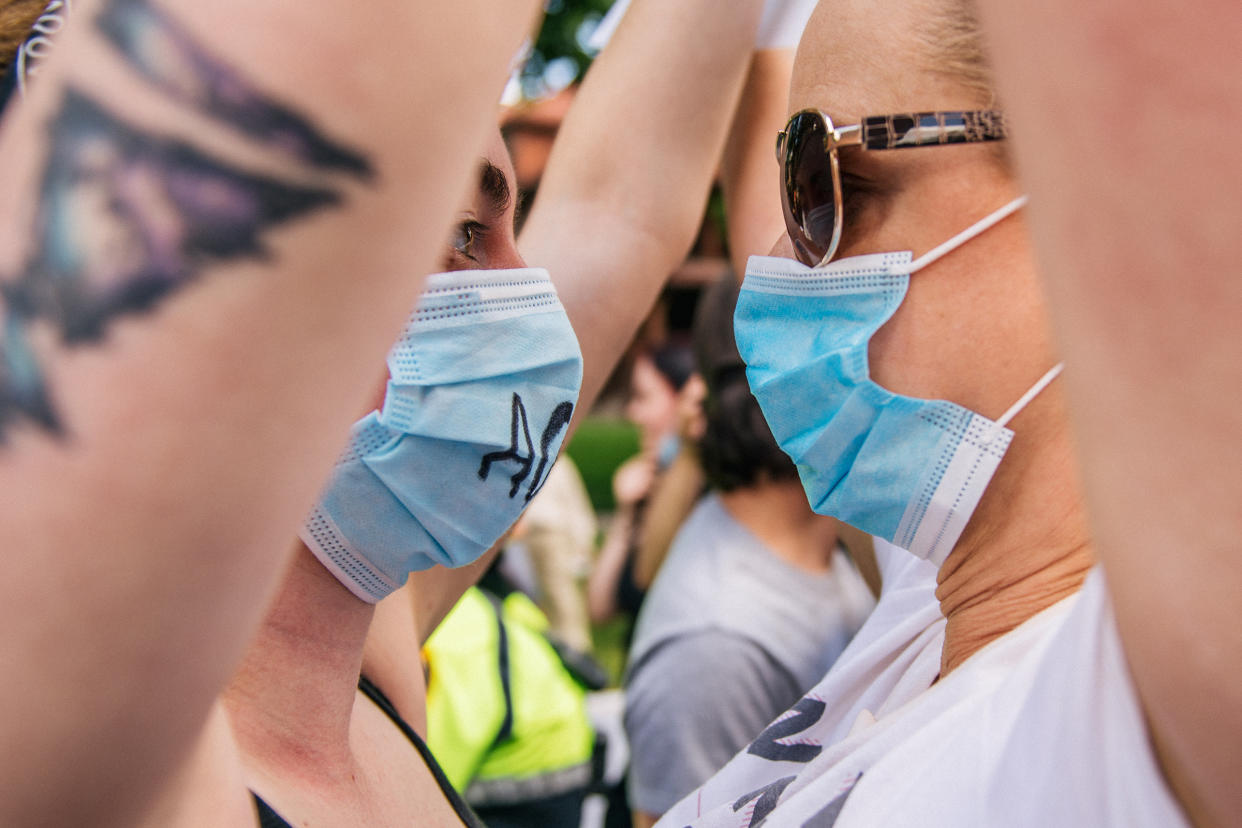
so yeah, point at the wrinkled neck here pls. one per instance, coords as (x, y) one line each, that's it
(1026, 547)
(987, 596)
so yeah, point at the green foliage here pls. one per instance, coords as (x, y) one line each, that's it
(560, 55)
(598, 447)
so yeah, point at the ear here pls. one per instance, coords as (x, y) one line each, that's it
(690, 408)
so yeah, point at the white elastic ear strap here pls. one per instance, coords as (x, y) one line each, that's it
(1023, 402)
(966, 235)
(1026, 398)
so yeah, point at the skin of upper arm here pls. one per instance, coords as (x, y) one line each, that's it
(1136, 230)
(629, 174)
(750, 174)
(162, 439)
(673, 496)
(434, 592)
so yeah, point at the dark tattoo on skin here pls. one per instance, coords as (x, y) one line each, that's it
(165, 54)
(125, 217)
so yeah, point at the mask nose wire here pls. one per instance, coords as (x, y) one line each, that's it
(961, 238)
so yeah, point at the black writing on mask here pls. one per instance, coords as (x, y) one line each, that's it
(519, 436)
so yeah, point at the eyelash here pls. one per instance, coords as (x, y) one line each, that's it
(469, 233)
(856, 193)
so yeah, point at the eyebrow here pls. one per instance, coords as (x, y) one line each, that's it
(495, 186)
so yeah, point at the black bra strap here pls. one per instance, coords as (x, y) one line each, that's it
(467, 816)
(267, 817)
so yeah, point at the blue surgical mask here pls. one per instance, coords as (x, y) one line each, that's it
(670, 445)
(481, 387)
(908, 470)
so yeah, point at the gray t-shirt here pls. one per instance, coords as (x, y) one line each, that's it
(729, 637)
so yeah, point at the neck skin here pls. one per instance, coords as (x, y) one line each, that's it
(291, 702)
(778, 515)
(1027, 545)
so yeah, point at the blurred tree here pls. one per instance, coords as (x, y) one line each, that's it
(560, 55)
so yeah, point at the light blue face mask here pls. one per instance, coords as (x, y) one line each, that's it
(908, 470)
(481, 387)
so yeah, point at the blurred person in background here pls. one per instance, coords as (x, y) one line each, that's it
(658, 378)
(549, 553)
(754, 602)
(506, 714)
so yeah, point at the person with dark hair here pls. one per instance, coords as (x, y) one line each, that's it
(736, 449)
(653, 489)
(753, 603)
(481, 389)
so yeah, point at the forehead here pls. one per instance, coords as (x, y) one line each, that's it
(871, 57)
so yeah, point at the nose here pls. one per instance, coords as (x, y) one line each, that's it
(783, 248)
(509, 257)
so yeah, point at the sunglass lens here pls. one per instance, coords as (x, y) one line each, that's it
(807, 191)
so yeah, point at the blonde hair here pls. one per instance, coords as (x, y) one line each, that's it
(955, 48)
(16, 19)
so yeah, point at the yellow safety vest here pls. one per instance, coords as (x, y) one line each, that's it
(506, 720)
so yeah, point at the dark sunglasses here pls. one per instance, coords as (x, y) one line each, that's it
(810, 172)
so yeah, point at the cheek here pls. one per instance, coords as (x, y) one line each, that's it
(652, 412)
(377, 396)
(977, 338)
(664, 415)
(783, 248)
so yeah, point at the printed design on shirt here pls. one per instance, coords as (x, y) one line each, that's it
(776, 744)
(125, 217)
(826, 817)
(520, 428)
(762, 802)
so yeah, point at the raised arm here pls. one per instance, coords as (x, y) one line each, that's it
(213, 220)
(1124, 117)
(628, 179)
(750, 176)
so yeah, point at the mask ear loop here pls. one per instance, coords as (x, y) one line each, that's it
(949, 246)
(961, 238)
(1025, 400)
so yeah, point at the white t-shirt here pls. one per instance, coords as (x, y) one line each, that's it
(1039, 728)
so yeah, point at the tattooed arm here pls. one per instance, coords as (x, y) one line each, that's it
(213, 220)
(625, 187)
